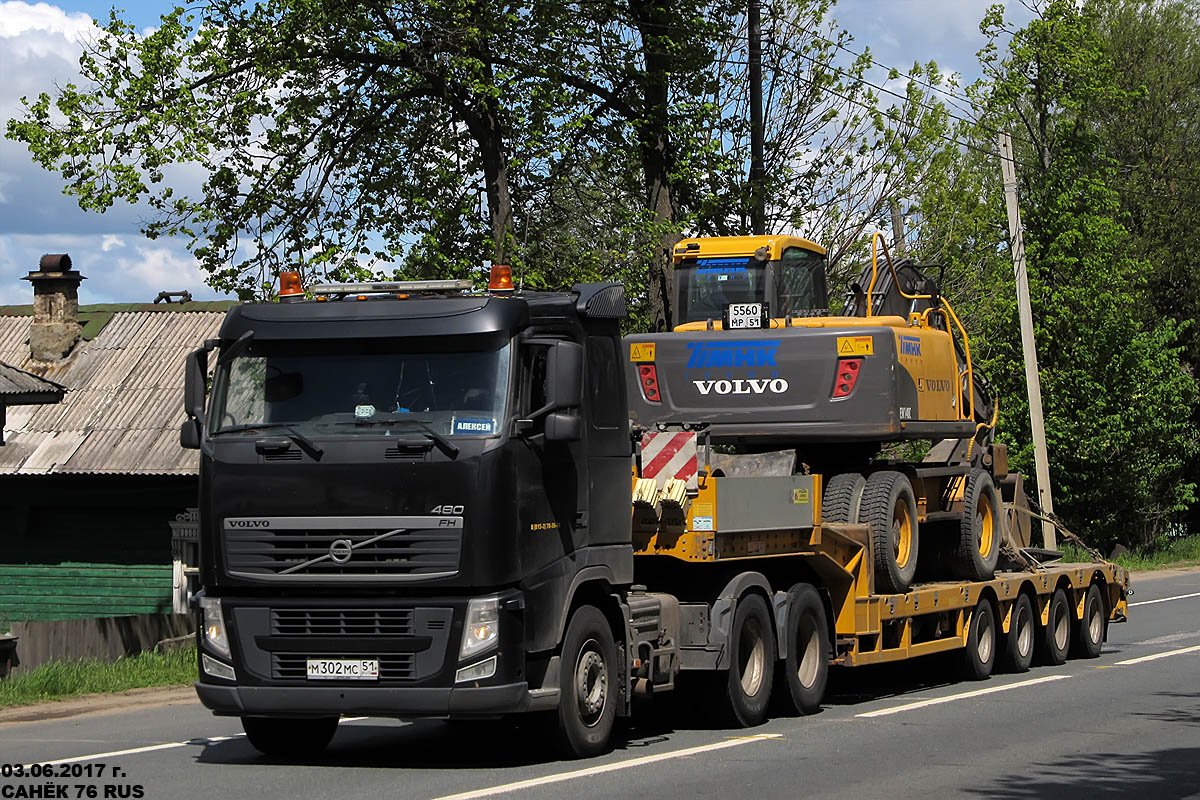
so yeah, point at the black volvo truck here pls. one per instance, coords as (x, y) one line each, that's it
(409, 508)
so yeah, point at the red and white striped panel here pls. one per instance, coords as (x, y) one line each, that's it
(669, 455)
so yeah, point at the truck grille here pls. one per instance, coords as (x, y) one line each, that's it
(294, 666)
(342, 622)
(343, 548)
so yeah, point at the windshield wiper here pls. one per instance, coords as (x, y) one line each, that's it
(449, 448)
(312, 448)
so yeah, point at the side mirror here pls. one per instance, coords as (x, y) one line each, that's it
(195, 375)
(562, 427)
(564, 370)
(189, 434)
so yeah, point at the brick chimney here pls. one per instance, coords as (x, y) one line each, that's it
(55, 328)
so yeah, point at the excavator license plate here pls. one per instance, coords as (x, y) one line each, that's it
(740, 316)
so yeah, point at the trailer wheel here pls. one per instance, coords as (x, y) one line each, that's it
(1018, 645)
(1056, 633)
(979, 529)
(979, 656)
(806, 657)
(747, 684)
(842, 498)
(289, 736)
(1089, 631)
(587, 704)
(890, 509)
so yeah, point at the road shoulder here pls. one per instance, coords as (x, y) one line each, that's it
(100, 704)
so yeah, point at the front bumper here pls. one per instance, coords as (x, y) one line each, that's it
(375, 701)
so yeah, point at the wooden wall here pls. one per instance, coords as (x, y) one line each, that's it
(84, 546)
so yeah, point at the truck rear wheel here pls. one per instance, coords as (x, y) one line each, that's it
(747, 685)
(289, 736)
(1018, 645)
(806, 656)
(979, 530)
(1089, 631)
(979, 656)
(890, 509)
(1056, 633)
(842, 498)
(587, 704)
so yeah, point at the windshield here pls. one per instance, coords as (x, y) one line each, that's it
(710, 284)
(454, 386)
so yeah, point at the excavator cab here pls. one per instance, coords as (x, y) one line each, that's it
(744, 281)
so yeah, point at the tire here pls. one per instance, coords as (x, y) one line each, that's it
(890, 509)
(979, 529)
(1055, 638)
(979, 656)
(1089, 631)
(289, 736)
(842, 498)
(805, 665)
(1022, 635)
(746, 686)
(588, 685)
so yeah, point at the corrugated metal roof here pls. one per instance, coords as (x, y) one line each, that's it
(124, 393)
(16, 383)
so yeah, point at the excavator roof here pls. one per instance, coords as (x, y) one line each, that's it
(741, 246)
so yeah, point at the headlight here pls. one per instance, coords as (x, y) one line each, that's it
(482, 629)
(216, 668)
(476, 672)
(214, 625)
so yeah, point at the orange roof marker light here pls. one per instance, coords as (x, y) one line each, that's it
(291, 288)
(501, 278)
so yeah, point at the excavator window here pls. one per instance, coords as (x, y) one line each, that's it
(800, 284)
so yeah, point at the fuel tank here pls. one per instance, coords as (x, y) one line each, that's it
(821, 379)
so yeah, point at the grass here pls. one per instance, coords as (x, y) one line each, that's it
(60, 679)
(1183, 551)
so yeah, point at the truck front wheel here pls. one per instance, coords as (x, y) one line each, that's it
(289, 736)
(747, 684)
(588, 685)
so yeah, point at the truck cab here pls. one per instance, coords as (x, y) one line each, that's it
(403, 490)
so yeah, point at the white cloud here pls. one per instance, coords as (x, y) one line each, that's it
(157, 268)
(110, 242)
(39, 30)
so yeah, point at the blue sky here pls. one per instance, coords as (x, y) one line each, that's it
(39, 47)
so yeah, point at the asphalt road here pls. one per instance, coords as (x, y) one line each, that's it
(1124, 725)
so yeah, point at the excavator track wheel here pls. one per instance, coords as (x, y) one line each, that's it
(889, 508)
(1089, 631)
(979, 529)
(842, 498)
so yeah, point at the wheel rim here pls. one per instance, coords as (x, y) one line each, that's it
(1095, 623)
(983, 637)
(752, 657)
(984, 526)
(1024, 631)
(810, 659)
(591, 683)
(1061, 628)
(901, 533)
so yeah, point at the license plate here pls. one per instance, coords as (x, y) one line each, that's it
(745, 315)
(343, 669)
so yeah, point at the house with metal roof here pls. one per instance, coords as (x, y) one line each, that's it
(89, 485)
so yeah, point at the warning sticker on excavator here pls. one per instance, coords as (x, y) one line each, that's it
(855, 346)
(799, 496)
(641, 351)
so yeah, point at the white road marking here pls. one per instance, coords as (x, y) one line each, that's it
(1155, 656)
(627, 764)
(1165, 599)
(153, 747)
(883, 712)
(1168, 639)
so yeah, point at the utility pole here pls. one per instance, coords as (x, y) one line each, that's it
(758, 200)
(1032, 381)
(897, 229)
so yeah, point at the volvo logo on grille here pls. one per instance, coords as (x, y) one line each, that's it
(341, 550)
